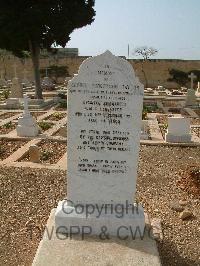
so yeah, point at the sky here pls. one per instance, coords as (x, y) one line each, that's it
(170, 26)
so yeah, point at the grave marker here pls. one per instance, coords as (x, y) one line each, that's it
(178, 130)
(105, 104)
(192, 77)
(27, 125)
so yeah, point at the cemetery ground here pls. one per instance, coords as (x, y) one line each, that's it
(167, 185)
(28, 195)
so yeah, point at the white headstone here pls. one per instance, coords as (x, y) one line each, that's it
(105, 104)
(192, 77)
(144, 130)
(178, 130)
(27, 125)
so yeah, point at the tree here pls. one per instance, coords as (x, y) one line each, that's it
(146, 53)
(178, 76)
(55, 72)
(38, 24)
(181, 77)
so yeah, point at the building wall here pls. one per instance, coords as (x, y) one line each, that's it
(157, 70)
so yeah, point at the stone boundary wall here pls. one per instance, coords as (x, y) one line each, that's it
(156, 70)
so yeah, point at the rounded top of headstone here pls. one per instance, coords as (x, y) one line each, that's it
(107, 61)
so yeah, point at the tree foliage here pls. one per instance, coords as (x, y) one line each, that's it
(181, 77)
(37, 24)
(44, 22)
(55, 71)
(145, 52)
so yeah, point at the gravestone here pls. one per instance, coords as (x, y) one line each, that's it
(16, 88)
(16, 92)
(27, 125)
(144, 130)
(191, 98)
(178, 130)
(63, 131)
(34, 154)
(25, 81)
(105, 103)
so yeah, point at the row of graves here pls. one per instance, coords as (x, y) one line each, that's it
(107, 119)
(12, 91)
(174, 117)
(168, 120)
(34, 137)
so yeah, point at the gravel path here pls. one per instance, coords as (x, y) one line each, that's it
(27, 197)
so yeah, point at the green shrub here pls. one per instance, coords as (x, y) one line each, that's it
(8, 125)
(45, 155)
(44, 125)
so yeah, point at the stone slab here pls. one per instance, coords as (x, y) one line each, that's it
(92, 251)
(115, 218)
(173, 138)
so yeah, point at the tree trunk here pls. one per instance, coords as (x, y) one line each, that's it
(35, 53)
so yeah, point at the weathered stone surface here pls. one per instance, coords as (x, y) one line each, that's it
(157, 228)
(92, 251)
(105, 104)
(27, 125)
(63, 131)
(16, 89)
(178, 130)
(34, 154)
(175, 206)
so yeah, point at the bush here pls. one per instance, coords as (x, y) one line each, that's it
(181, 77)
(5, 93)
(63, 105)
(44, 125)
(45, 155)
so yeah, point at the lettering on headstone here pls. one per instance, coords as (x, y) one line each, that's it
(104, 116)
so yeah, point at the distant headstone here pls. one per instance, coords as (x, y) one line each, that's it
(27, 125)
(25, 81)
(16, 87)
(34, 154)
(144, 130)
(191, 99)
(63, 131)
(104, 122)
(192, 77)
(178, 130)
